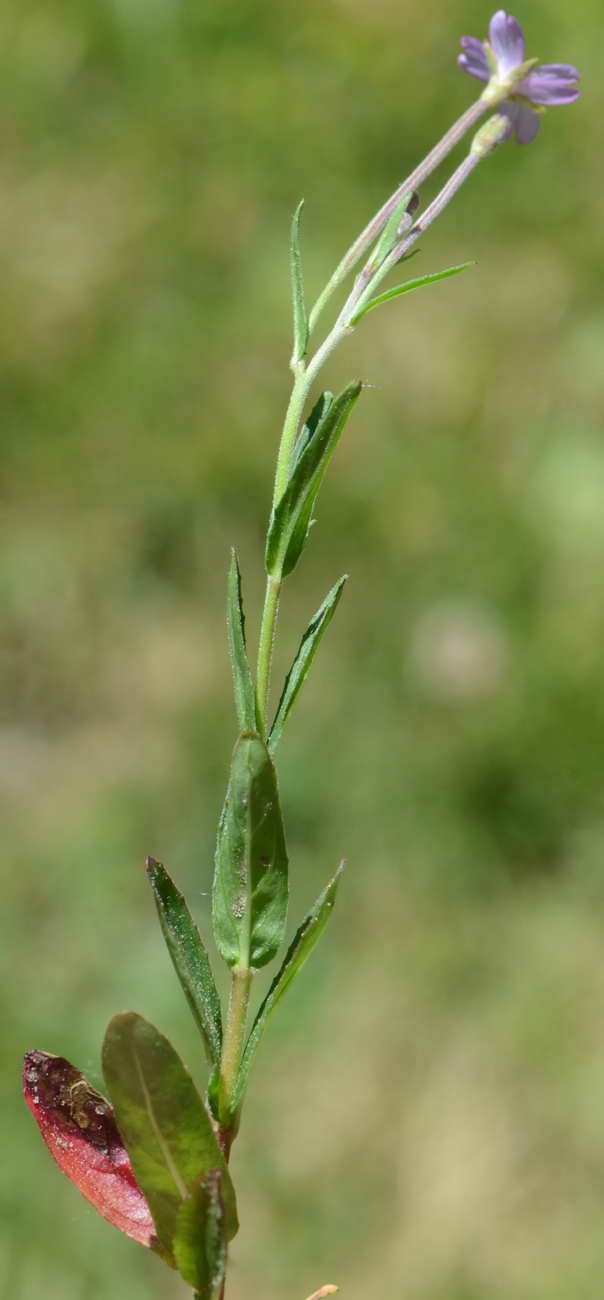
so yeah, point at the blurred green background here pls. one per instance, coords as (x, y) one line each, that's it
(425, 1119)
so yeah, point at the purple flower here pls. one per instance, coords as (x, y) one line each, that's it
(500, 61)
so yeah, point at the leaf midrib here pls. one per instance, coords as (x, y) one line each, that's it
(164, 1148)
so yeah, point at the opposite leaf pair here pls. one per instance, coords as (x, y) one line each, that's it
(150, 1164)
(242, 680)
(153, 1163)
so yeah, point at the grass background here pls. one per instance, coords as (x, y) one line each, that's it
(425, 1119)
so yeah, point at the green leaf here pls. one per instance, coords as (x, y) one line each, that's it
(299, 950)
(390, 232)
(200, 1240)
(242, 677)
(163, 1122)
(250, 880)
(290, 520)
(189, 958)
(299, 305)
(407, 287)
(301, 665)
(303, 524)
(307, 431)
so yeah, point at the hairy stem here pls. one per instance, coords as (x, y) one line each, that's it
(232, 1046)
(265, 650)
(290, 428)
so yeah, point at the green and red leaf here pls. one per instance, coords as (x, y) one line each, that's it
(78, 1126)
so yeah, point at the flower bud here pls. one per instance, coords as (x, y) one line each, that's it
(491, 133)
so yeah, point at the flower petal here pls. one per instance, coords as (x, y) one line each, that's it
(472, 45)
(474, 59)
(551, 84)
(79, 1129)
(507, 40)
(566, 70)
(524, 122)
(469, 66)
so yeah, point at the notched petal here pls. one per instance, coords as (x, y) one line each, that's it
(474, 59)
(78, 1126)
(565, 70)
(548, 85)
(507, 40)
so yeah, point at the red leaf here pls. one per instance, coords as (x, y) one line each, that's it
(79, 1129)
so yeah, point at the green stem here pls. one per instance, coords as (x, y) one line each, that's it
(290, 428)
(304, 380)
(265, 650)
(299, 394)
(363, 288)
(234, 1036)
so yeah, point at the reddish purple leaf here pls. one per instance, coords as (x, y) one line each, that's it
(79, 1129)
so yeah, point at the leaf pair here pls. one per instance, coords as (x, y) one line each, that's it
(249, 907)
(150, 1163)
(242, 678)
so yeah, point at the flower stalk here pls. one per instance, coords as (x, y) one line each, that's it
(437, 155)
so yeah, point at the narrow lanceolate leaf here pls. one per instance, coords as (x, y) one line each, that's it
(299, 305)
(200, 1239)
(390, 233)
(78, 1126)
(250, 880)
(407, 287)
(299, 950)
(242, 677)
(291, 518)
(301, 665)
(189, 957)
(307, 431)
(163, 1122)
